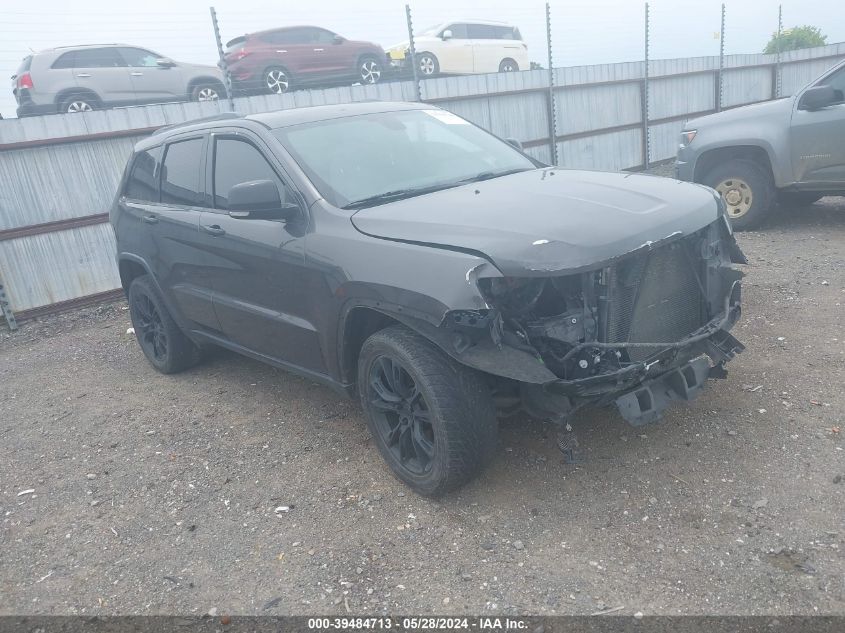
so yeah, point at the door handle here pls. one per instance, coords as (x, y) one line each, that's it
(319, 50)
(282, 51)
(84, 75)
(214, 229)
(136, 74)
(150, 219)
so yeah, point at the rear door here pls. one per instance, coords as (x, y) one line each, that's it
(818, 139)
(103, 71)
(179, 261)
(262, 293)
(150, 81)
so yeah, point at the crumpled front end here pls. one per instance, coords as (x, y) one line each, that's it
(643, 329)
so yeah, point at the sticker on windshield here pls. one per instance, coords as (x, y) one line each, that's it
(446, 117)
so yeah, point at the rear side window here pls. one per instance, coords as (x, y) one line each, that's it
(65, 60)
(180, 173)
(506, 33)
(98, 58)
(237, 161)
(142, 183)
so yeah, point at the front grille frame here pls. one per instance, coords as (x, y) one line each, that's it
(654, 297)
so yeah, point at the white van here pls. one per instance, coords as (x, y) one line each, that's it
(463, 47)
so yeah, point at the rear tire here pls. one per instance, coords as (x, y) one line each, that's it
(163, 343)
(432, 418)
(277, 80)
(370, 70)
(78, 103)
(747, 189)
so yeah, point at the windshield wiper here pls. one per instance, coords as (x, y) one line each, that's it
(397, 194)
(489, 175)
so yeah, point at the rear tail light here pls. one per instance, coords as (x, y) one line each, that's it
(25, 81)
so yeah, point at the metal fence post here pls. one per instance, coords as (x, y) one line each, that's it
(223, 64)
(412, 51)
(778, 84)
(721, 85)
(552, 116)
(6, 308)
(644, 97)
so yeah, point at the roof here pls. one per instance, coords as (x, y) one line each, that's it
(295, 116)
(282, 118)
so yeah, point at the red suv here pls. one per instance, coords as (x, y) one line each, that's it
(275, 61)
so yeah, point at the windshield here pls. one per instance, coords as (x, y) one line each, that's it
(353, 159)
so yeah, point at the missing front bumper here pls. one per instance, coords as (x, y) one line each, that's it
(647, 402)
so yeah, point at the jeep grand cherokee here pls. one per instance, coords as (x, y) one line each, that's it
(396, 251)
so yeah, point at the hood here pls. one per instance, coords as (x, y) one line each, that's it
(547, 220)
(756, 111)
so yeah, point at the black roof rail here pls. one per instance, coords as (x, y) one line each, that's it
(223, 116)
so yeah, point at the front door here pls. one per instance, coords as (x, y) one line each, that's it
(454, 53)
(818, 139)
(151, 81)
(261, 293)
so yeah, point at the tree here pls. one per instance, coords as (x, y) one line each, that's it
(797, 37)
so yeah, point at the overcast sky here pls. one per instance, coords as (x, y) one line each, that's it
(584, 31)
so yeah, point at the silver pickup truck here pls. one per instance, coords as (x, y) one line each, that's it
(789, 150)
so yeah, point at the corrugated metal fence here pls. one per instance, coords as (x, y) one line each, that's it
(59, 173)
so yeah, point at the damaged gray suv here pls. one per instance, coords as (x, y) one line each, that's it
(397, 252)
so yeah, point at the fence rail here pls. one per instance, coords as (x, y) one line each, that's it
(59, 173)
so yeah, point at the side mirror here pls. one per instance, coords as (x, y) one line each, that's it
(447, 35)
(165, 63)
(338, 39)
(512, 141)
(817, 97)
(259, 199)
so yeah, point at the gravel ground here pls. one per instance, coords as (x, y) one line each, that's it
(157, 494)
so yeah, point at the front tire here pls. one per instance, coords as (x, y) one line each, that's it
(747, 189)
(428, 65)
(508, 66)
(206, 92)
(432, 418)
(163, 343)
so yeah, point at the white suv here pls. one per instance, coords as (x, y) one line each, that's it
(465, 46)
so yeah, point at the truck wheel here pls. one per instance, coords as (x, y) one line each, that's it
(747, 189)
(161, 340)
(433, 419)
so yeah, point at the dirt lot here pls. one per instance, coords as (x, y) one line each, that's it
(156, 494)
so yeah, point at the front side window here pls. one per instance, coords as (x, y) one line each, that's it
(180, 173)
(237, 161)
(139, 58)
(459, 31)
(354, 158)
(98, 58)
(837, 82)
(142, 183)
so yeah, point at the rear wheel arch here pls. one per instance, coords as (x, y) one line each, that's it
(130, 269)
(79, 93)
